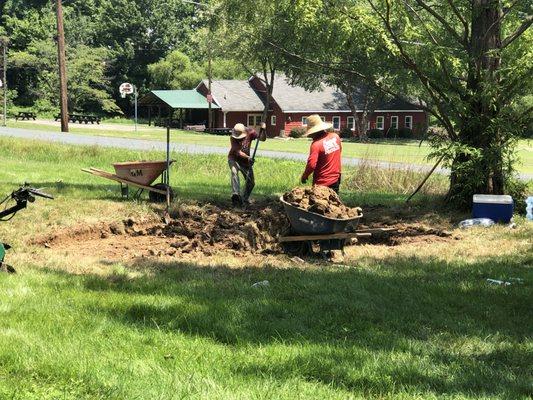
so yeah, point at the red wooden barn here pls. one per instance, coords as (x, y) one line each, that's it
(243, 101)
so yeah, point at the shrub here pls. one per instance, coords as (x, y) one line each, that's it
(517, 189)
(346, 133)
(392, 133)
(404, 133)
(297, 132)
(375, 134)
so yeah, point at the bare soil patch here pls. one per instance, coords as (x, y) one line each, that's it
(206, 230)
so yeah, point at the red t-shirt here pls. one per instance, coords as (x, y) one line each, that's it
(324, 160)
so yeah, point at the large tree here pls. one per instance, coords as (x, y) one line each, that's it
(472, 61)
(134, 34)
(247, 27)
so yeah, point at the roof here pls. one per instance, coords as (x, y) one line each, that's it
(235, 95)
(176, 99)
(295, 98)
(292, 98)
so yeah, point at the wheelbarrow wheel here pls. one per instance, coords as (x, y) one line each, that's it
(303, 248)
(159, 197)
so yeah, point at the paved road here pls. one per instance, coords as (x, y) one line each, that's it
(140, 144)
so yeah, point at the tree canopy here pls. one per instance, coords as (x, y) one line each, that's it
(468, 63)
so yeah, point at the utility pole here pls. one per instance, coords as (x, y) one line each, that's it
(62, 66)
(209, 80)
(4, 77)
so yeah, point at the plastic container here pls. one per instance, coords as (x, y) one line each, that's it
(529, 208)
(468, 223)
(499, 208)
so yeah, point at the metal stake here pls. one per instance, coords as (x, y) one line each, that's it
(4, 56)
(136, 97)
(168, 165)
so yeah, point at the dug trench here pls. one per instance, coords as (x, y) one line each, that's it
(209, 230)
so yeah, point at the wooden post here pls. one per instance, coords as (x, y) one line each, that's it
(4, 80)
(209, 77)
(62, 66)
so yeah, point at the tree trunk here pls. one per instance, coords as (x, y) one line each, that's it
(353, 109)
(483, 173)
(269, 76)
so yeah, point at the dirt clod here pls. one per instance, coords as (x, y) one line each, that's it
(321, 200)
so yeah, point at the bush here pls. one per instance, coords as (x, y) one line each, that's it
(517, 189)
(297, 132)
(346, 133)
(392, 133)
(404, 133)
(375, 134)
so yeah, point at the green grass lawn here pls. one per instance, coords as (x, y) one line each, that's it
(400, 328)
(417, 322)
(410, 152)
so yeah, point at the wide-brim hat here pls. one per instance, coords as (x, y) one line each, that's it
(315, 124)
(238, 132)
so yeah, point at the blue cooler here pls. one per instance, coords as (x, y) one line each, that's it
(497, 208)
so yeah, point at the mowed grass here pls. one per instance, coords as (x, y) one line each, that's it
(412, 324)
(401, 151)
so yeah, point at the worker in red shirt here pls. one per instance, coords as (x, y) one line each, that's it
(324, 160)
(240, 161)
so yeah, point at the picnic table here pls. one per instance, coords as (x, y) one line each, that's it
(80, 118)
(25, 115)
(219, 131)
(195, 128)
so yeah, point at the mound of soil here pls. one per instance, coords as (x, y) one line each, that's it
(211, 228)
(207, 229)
(321, 200)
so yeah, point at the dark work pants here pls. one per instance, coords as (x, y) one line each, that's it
(336, 185)
(247, 172)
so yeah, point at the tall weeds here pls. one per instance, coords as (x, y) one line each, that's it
(393, 178)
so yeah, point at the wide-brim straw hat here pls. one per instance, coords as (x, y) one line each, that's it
(315, 124)
(239, 131)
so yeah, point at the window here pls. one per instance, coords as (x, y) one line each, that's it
(273, 120)
(409, 122)
(254, 120)
(394, 122)
(304, 120)
(380, 123)
(350, 121)
(336, 123)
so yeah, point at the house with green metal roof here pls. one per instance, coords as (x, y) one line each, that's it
(243, 101)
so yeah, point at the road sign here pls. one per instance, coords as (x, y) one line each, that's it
(209, 98)
(126, 88)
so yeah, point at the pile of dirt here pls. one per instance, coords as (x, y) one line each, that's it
(321, 200)
(211, 228)
(207, 229)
